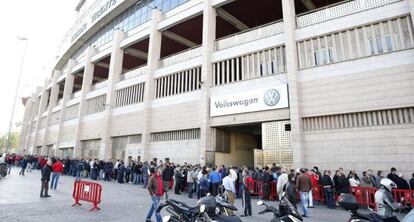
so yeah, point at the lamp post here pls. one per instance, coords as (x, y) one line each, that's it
(17, 89)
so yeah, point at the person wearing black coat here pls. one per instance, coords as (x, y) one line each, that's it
(121, 173)
(290, 189)
(166, 176)
(342, 185)
(45, 172)
(328, 189)
(412, 182)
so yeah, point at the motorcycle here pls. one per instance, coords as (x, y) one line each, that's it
(350, 204)
(286, 212)
(217, 209)
(180, 212)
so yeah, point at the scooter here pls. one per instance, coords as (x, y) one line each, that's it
(217, 209)
(180, 212)
(349, 203)
(286, 212)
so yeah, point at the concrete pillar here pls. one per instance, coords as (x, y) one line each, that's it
(25, 130)
(411, 4)
(154, 53)
(289, 20)
(52, 103)
(86, 87)
(33, 113)
(42, 105)
(115, 69)
(209, 35)
(67, 92)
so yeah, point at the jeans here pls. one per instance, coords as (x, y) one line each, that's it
(9, 167)
(310, 199)
(78, 174)
(145, 180)
(154, 206)
(329, 198)
(190, 190)
(55, 178)
(22, 171)
(241, 188)
(304, 199)
(134, 178)
(29, 167)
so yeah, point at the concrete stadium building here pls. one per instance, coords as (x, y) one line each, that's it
(295, 82)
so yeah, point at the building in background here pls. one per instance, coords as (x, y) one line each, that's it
(298, 83)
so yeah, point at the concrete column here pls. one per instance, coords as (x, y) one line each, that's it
(32, 114)
(42, 105)
(289, 20)
(52, 103)
(25, 126)
(209, 35)
(67, 92)
(115, 69)
(154, 53)
(86, 87)
(411, 4)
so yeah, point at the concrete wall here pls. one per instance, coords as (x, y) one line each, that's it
(127, 124)
(178, 151)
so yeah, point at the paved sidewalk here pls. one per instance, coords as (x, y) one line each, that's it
(19, 201)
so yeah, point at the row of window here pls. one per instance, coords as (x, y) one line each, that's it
(71, 112)
(367, 40)
(131, 18)
(120, 143)
(360, 119)
(54, 118)
(189, 134)
(130, 95)
(96, 104)
(91, 148)
(177, 83)
(258, 64)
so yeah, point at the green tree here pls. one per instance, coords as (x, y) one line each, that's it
(14, 142)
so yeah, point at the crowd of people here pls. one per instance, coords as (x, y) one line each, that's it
(197, 180)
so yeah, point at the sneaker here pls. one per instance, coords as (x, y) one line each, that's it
(47, 196)
(311, 207)
(304, 215)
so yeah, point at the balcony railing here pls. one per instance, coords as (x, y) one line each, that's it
(181, 56)
(76, 94)
(99, 85)
(339, 10)
(140, 70)
(249, 35)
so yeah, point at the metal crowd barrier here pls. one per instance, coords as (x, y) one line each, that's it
(87, 191)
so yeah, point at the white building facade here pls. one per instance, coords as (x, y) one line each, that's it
(297, 83)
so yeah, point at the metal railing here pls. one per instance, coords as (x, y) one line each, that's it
(339, 10)
(180, 56)
(249, 35)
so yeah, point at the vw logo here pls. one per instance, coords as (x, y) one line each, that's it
(271, 97)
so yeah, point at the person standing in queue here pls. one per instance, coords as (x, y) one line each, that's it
(248, 186)
(156, 190)
(230, 187)
(45, 172)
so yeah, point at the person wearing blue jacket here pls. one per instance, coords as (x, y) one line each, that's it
(23, 164)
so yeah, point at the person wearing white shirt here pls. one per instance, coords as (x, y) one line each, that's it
(229, 186)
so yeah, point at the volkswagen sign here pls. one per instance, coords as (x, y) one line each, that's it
(271, 97)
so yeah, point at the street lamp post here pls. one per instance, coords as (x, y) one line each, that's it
(17, 90)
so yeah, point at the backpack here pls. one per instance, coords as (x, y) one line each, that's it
(249, 183)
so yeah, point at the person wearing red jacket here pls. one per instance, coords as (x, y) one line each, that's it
(314, 178)
(57, 169)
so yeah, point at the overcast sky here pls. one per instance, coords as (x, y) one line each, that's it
(44, 23)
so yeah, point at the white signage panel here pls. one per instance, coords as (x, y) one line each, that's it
(275, 97)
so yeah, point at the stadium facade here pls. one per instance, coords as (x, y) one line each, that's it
(295, 82)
